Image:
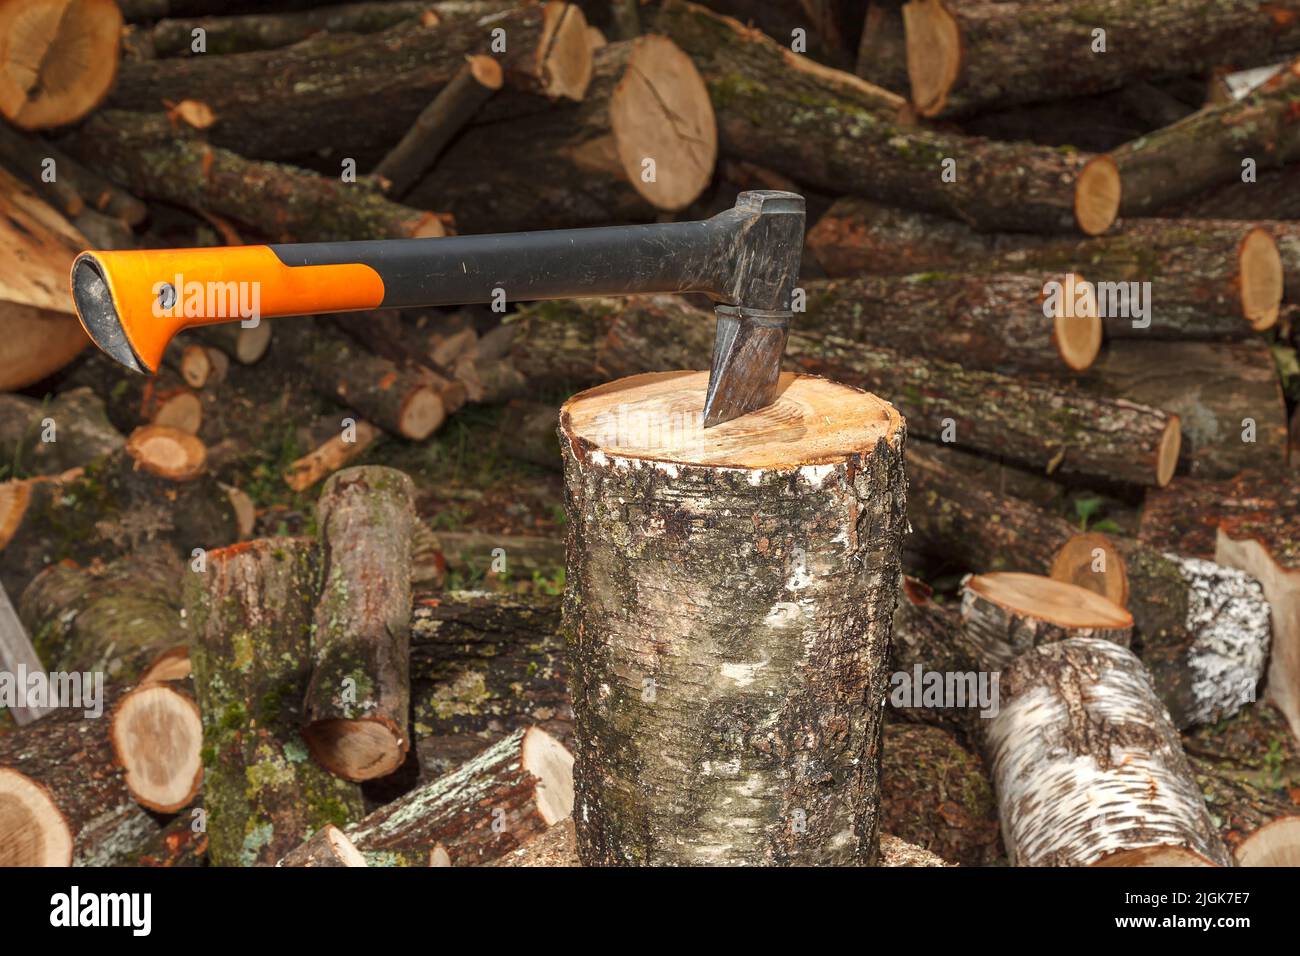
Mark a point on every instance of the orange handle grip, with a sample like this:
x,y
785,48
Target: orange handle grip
x,y
132,303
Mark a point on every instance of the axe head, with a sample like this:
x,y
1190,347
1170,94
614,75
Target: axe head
x,y
747,352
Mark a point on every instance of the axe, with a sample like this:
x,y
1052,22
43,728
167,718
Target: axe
x,y
746,259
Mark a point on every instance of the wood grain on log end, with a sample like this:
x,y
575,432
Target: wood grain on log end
x,y
1274,844
171,664
933,54
32,830
1090,560
1262,279
1025,610
563,63
1097,194
157,735
1076,324
329,847
167,452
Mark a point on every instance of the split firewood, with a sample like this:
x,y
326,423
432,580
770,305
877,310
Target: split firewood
x,y
1087,767
1246,523
245,344
444,117
1206,276
484,660
1274,844
64,796
882,49
1226,395
1261,127
853,141
329,457
250,618
276,104
496,802
936,794
116,618
1026,610
646,732
994,321
399,399
959,59
356,710
328,846
48,438
154,489
147,154
1203,628
241,33
59,59
642,141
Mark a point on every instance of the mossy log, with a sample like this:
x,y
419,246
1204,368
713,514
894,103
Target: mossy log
x,y
145,152
701,621
965,56
836,132
47,438
117,504
356,710
642,141
936,794
1209,279
513,790
250,617
482,660
63,797
1209,148
117,618
277,104
1087,767
1226,395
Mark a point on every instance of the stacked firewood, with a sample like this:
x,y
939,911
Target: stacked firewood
x,y
1063,239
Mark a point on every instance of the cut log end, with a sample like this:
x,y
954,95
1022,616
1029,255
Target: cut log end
x,y
1077,328
181,410
1171,445
664,130
486,71
32,830
327,847
167,452
171,664
157,737
1045,599
421,415
356,749
1261,280
58,60
1091,561
564,52
551,763
933,54
1274,844
1096,195
1154,856
659,417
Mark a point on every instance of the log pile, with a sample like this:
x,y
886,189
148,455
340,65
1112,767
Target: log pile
x,y
318,561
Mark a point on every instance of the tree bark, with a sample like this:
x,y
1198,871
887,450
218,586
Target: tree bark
x,y
356,712
1208,279
1275,194
1209,147
328,846
48,438
838,133
587,163
1287,236
278,104
513,790
250,617
1087,767
882,50
285,203
965,56
77,186
1226,395
710,610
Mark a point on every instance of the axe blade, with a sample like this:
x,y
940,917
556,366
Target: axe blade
x,y
746,367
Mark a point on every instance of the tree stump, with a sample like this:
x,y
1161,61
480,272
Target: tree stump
x,y
728,616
